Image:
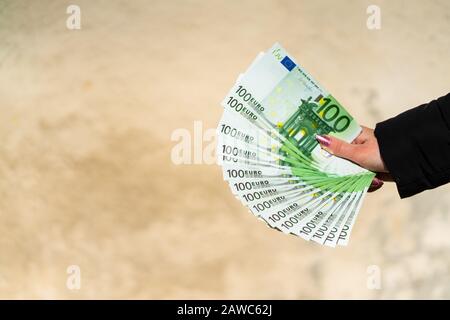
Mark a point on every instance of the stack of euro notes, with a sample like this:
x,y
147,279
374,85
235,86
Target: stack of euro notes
x,y
272,161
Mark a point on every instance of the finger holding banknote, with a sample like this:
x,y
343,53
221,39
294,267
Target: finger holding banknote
x,y
364,151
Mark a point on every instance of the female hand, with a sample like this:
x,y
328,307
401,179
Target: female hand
x,y
363,151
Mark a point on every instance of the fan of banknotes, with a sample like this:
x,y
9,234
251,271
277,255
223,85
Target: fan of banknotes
x,y
272,161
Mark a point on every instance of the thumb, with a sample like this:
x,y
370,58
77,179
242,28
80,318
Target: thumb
x,y
338,147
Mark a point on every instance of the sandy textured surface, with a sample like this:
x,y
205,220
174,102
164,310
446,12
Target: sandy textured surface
x,y
86,176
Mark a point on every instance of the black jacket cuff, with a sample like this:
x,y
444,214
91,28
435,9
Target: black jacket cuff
x,y
415,147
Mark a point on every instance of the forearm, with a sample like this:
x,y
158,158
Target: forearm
x,y
415,146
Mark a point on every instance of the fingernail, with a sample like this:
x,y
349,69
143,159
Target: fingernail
x,y
376,183
323,140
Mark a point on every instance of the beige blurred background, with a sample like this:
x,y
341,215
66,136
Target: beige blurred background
x,y
86,176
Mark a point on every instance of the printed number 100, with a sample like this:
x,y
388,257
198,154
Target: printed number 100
x,y
331,113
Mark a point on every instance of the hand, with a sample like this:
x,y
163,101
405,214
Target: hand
x,y
363,151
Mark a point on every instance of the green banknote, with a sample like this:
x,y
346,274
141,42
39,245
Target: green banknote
x,y
271,159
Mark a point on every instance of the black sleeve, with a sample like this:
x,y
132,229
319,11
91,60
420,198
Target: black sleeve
x,y
415,146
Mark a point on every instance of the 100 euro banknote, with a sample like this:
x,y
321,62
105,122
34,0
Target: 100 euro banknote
x,y
272,160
